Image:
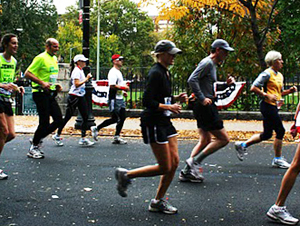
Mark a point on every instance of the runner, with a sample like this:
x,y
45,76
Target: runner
x,y
117,89
76,99
272,82
8,65
205,111
157,129
278,211
43,72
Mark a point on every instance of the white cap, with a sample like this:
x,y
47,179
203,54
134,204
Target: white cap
x,y
80,57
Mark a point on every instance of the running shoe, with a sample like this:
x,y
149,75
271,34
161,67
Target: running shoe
x,y
280,163
188,177
281,214
162,206
196,169
3,176
85,142
40,145
94,131
123,181
34,152
119,140
57,139
240,151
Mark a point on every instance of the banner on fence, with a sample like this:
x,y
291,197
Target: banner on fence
x,y
100,93
227,96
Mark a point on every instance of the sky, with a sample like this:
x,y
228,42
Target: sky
x,y
62,4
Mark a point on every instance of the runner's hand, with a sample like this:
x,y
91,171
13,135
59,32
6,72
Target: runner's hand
x,y
175,108
207,101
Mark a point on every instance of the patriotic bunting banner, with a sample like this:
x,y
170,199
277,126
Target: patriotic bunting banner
x,y
227,96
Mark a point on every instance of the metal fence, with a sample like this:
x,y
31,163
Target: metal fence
x,y
247,101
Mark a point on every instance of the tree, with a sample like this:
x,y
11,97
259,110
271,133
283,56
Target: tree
x,y
259,14
29,19
124,29
134,29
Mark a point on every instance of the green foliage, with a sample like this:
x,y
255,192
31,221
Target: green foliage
x,y
33,21
287,21
124,29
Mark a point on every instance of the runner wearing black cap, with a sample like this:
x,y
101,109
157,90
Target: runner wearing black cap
x,y
157,129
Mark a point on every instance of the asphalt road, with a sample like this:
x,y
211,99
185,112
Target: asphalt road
x,y
75,185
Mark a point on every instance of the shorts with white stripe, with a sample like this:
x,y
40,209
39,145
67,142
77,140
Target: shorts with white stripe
x,y
158,134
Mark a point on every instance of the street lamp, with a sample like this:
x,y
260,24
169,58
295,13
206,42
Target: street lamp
x,y
71,52
98,44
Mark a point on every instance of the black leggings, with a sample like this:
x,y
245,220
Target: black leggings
x,y
116,117
46,106
271,121
73,103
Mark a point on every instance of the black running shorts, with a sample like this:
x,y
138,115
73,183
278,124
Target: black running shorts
x,y
207,117
5,107
158,134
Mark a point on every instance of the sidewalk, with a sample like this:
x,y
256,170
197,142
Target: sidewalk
x,y
237,129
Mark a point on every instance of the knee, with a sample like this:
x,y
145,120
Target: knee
x,y
4,133
265,136
10,136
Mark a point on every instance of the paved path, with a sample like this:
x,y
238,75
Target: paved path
x,y
76,186
29,123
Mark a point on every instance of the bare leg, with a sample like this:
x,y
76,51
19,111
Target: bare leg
x,y
221,140
3,131
253,140
167,158
277,147
204,140
289,179
11,128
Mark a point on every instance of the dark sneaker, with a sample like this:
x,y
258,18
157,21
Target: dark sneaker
x,y
280,163
123,181
3,176
94,131
162,206
57,139
281,214
195,169
188,177
34,152
240,151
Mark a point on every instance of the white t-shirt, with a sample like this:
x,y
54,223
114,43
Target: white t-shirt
x,y
77,73
115,77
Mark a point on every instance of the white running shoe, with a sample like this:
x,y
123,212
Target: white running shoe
x,y
34,152
85,142
196,169
280,163
94,131
57,139
240,151
3,176
119,140
40,145
162,206
281,214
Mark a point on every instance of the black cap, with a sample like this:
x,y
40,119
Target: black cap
x,y
166,46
